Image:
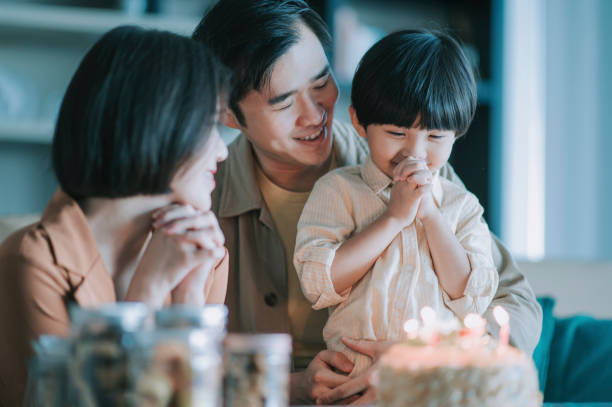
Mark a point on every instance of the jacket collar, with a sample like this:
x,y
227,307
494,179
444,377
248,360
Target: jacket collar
x,y
374,177
240,192
71,240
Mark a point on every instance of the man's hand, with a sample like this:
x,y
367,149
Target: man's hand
x,y
359,389
320,377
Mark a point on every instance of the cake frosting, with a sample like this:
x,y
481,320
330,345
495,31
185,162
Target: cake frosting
x,y
457,371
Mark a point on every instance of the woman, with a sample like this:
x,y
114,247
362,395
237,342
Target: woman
x,y
135,150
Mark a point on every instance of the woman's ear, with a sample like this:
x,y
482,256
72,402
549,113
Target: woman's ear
x,y
228,118
355,121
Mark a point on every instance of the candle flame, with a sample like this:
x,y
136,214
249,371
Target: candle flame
x,y
501,315
448,326
428,315
411,327
473,321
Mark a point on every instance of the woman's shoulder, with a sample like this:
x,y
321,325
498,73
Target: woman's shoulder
x,y
28,246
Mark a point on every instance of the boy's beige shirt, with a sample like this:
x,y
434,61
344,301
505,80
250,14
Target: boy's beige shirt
x,y
402,280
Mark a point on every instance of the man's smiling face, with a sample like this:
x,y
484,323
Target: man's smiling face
x,y
289,120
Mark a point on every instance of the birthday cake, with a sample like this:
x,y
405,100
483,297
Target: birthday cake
x,y
461,368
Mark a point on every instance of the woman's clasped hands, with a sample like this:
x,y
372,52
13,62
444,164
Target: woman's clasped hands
x,y
185,246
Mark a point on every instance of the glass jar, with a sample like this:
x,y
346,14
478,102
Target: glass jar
x,y
48,375
211,317
257,370
103,342
178,367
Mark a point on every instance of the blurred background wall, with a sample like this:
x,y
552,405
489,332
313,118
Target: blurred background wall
x,y
537,154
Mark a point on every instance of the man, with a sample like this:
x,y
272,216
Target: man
x,y
283,103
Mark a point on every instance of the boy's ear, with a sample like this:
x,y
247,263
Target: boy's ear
x,y
228,118
355,121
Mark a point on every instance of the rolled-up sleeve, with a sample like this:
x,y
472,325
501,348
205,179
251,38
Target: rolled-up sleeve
x,y
326,222
474,236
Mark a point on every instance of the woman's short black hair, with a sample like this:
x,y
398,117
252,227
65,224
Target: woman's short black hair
x,y
414,74
249,36
140,104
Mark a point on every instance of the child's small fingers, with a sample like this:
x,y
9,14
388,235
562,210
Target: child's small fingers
x,y
407,168
420,177
400,172
397,172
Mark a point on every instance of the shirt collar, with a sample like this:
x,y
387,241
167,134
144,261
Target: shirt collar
x,y
72,242
378,181
374,177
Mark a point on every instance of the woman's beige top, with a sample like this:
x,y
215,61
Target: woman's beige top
x,y
43,268
403,279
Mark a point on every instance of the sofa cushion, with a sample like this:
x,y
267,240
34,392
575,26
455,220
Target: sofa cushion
x,y
580,366
541,354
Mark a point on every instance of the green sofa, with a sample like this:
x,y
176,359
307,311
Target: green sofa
x,y
574,357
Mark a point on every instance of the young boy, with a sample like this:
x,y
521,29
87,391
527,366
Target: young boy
x,y
378,242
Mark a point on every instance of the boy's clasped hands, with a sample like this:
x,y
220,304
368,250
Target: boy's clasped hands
x,y
411,193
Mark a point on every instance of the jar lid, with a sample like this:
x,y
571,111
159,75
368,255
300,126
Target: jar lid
x,y
51,345
128,316
268,343
198,340
213,316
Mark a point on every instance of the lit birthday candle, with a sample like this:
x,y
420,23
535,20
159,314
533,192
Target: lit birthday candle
x,y
475,324
429,316
429,332
412,328
503,319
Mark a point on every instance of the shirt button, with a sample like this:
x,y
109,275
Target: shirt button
x,y
271,299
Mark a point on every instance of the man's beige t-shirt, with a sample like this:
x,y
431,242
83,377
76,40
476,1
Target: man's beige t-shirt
x,y
306,324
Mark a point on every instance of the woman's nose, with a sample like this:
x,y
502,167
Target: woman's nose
x,y
221,150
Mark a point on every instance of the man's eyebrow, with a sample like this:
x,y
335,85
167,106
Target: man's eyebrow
x,y
321,74
277,99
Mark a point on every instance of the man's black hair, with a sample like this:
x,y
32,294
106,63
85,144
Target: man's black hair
x,y
414,74
249,36
140,104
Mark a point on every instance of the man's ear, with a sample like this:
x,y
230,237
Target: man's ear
x,y
355,121
229,119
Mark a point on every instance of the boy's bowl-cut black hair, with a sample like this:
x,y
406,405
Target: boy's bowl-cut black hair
x,y
140,104
414,74
249,36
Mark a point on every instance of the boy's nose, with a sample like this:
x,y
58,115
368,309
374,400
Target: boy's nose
x,y
415,151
